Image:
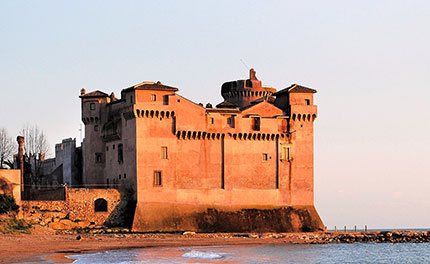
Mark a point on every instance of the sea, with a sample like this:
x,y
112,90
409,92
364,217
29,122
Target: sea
x,y
288,253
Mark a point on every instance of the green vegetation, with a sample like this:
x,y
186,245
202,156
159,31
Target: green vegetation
x,y
14,225
8,204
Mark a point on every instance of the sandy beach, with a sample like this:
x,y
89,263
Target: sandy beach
x,y
45,243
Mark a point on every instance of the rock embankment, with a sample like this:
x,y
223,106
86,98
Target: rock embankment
x,y
277,238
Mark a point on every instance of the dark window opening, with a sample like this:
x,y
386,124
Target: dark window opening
x,y
99,157
119,176
92,106
265,157
107,148
157,178
212,120
120,154
125,176
256,123
113,146
100,205
307,102
131,99
153,97
166,100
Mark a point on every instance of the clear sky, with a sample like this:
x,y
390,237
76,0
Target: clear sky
x,y
369,61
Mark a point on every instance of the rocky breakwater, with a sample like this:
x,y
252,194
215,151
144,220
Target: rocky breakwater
x,y
362,237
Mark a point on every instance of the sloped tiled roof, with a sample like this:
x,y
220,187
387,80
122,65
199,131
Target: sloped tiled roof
x,y
226,104
295,88
95,94
158,86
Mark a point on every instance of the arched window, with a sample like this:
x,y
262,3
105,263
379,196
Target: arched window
x,y
100,205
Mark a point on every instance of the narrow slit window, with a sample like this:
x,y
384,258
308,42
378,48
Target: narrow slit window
x,y
153,97
164,152
264,157
307,102
157,178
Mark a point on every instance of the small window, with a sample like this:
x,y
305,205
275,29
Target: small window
x,y
107,182
230,121
163,152
153,97
212,120
256,123
99,157
100,205
107,148
120,154
119,176
166,100
131,99
113,146
96,128
157,178
285,155
125,176
307,102
92,106
264,157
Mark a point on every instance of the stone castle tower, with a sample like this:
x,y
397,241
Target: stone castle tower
x,y
246,165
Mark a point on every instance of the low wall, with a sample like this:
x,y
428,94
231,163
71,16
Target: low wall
x,y
79,209
185,217
10,183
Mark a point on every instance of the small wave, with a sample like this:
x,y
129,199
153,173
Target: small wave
x,y
194,254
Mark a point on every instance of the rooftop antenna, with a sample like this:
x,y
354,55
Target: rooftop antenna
x,y
244,64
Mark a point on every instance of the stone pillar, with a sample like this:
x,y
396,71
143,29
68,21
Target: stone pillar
x,y
20,141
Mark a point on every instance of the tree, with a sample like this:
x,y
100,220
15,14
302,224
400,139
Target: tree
x,y
35,141
6,147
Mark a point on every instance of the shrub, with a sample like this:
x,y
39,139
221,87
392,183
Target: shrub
x,y
8,204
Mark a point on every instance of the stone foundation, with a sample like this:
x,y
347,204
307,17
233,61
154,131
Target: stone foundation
x,y
174,217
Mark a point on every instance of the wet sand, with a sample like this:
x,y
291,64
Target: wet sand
x,y
37,247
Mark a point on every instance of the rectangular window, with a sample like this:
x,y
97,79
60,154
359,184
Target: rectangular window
x,y
153,97
307,102
131,99
264,157
99,157
157,178
211,120
230,121
107,182
166,100
113,146
256,123
120,154
125,176
163,152
92,106
119,176
107,148
285,154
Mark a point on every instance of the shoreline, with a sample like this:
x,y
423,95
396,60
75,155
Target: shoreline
x,y
55,246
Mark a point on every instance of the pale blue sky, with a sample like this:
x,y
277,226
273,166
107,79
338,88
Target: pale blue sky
x,y
369,61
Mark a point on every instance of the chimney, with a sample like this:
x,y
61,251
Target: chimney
x,y
83,91
252,74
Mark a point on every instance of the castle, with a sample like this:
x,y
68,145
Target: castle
x,y
245,165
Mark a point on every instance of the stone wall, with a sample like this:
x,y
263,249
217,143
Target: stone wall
x,y
78,210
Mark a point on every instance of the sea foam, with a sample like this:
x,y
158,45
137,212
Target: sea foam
x,y
195,254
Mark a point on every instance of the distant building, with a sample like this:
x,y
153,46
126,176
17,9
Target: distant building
x,y
245,165
64,168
